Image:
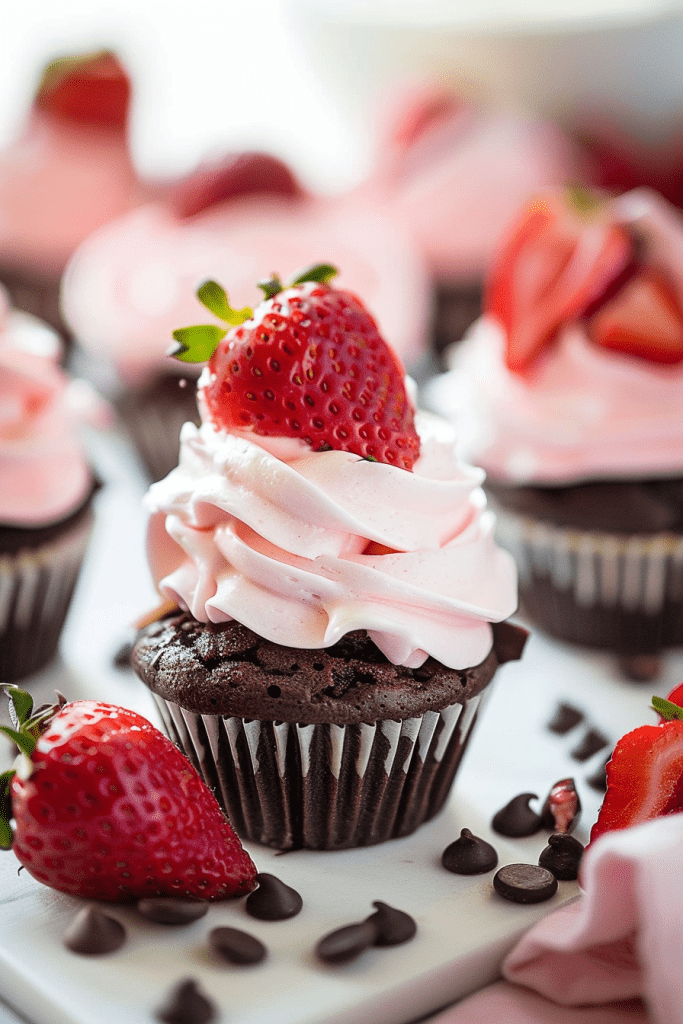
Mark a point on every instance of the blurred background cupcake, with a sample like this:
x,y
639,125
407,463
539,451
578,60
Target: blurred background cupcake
x,y
67,171
569,391
46,494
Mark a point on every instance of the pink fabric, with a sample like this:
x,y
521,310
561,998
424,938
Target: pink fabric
x,y
591,962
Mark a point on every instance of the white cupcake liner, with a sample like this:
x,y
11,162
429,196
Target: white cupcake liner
x,y
326,786
629,580
36,586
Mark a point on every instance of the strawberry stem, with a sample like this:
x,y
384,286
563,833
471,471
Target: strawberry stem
x,y
215,298
319,272
5,810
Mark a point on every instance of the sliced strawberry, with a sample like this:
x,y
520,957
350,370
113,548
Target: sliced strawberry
x,y
644,319
559,257
644,777
92,90
236,175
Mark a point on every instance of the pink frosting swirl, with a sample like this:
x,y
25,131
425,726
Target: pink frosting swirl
x,y
303,547
581,412
43,470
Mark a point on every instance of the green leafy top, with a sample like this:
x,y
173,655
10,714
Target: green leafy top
x,y
667,709
27,726
197,344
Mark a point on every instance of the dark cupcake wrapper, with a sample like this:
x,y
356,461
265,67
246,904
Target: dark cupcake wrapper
x,y
326,787
36,586
623,593
154,415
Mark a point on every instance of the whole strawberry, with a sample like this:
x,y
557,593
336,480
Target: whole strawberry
x,y
105,807
308,363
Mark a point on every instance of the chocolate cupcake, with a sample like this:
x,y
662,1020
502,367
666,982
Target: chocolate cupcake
x,y
280,733
337,577
570,398
46,496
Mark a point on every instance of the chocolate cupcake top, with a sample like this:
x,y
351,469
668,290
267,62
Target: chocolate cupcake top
x,y
229,670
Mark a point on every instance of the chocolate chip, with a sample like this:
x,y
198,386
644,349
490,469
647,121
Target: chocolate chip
x,y
598,780
94,933
525,883
469,855
186,1004
562,857
565,718
562,808
273,900
391,925
236,946
121,659
348,942
516,818
640,668
167,910
589,745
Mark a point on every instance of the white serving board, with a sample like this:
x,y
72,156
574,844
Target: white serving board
x,y
464,928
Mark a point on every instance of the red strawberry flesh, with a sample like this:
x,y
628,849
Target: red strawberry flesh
x,y
644,777
644,319
311,364
114,811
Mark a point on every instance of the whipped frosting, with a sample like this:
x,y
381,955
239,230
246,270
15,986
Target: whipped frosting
x,y
133,282
303,546
43,472
580,412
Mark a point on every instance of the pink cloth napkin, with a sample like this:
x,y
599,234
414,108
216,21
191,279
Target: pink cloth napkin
x,y
614,956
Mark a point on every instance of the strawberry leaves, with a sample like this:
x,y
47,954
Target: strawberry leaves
x,y
197,344
667,709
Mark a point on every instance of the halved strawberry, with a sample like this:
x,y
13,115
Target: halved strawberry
x,y
645,772
558,258
643,319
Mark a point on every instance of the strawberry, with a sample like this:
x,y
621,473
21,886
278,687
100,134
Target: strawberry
x,y
106,807
237,175
91,90
645,772
558,258
643,319
308,363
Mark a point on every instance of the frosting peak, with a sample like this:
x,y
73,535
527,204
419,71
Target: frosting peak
x,y
305,547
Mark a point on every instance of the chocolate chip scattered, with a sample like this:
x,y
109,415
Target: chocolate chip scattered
x,y
273,900
186,1004
598,780
516,818
167,910
640,668
525,883
469,855
562,857
94,933
347,943
392,926
562,808
589,745
236,946
565,718
121,659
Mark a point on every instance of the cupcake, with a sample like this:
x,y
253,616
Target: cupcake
x,y
452,173
340,599
45,498
68,173
133,282
569,393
